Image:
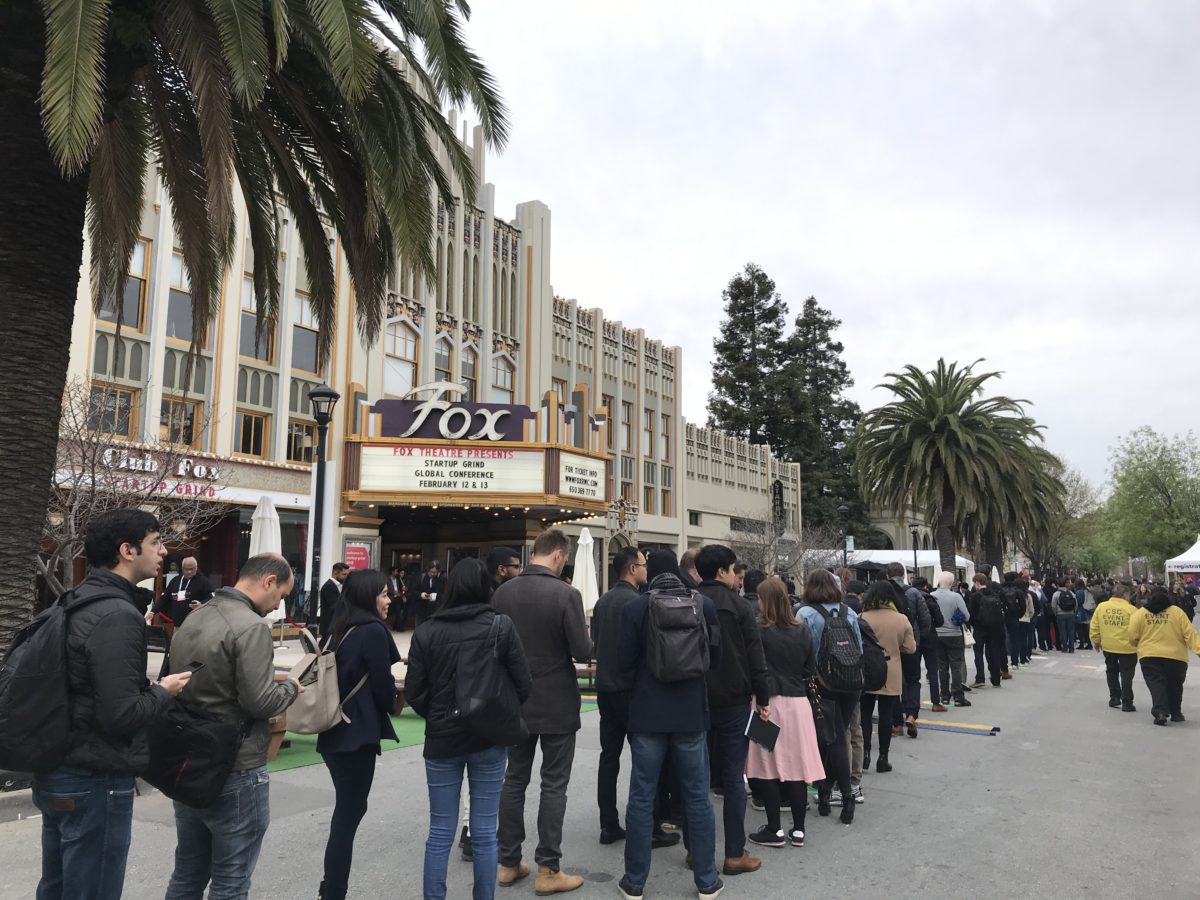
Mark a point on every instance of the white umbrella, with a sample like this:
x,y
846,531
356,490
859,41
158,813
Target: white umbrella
x,y
584,578
265,538
995,574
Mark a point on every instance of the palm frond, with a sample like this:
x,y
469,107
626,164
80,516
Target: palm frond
x,y
351,51
243,39
73,79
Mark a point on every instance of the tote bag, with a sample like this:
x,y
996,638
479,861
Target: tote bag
x,y
968,637
485,698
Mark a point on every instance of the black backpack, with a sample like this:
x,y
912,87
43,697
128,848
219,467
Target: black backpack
x,y
1065,600
676,636
35,694
839,656
485,699
1014,602
935,611
991,609
874,659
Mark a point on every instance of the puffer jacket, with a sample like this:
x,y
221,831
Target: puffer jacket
x,y
237,682
429,684
111,699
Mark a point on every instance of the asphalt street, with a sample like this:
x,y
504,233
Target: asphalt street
x,y
1070,799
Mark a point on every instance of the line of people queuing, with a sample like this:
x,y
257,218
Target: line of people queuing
x,y
687,654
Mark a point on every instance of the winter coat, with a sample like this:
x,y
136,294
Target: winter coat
x,y
366,650
606,637
548,614
111,698
655,707
743,668
232,640
429,685
895,635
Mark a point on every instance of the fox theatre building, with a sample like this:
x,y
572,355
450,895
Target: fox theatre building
x,y
435,479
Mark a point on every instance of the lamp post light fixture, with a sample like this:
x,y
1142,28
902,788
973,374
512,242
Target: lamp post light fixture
x,y
842,512
915,538
323,399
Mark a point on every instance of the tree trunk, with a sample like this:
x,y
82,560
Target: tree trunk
x,y
41,249
947,540
993,552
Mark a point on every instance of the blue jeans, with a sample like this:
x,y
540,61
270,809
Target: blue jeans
x,y
87,821
689,763
1066,632
485,775
221,843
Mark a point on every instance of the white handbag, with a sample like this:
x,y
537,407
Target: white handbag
x,y
968,637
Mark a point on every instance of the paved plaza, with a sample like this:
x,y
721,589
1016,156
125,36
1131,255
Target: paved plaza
x,y
1070,799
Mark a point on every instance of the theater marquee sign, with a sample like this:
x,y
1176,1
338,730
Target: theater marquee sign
x,y
474,470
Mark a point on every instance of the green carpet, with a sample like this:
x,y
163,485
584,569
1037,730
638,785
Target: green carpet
x,y
410,729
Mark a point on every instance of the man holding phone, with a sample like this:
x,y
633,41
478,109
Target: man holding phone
x,y
183,593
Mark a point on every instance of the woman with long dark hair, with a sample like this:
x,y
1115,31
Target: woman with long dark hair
x,y
894,632
1163,635
365,656
796,760
461,628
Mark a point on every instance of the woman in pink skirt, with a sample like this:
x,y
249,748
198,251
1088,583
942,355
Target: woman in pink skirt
x,y
796,761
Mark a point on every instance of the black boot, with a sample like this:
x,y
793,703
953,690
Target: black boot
x,y
883,765
824,793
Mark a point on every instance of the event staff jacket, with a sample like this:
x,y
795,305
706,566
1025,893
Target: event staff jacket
x,y
1110,626
743,667
1163,635
111,699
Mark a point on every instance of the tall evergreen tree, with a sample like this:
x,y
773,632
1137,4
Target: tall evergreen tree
x,y
819,421
744,401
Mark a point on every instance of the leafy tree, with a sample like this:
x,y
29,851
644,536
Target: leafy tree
x,y
1063,530
1155,501
745,399
334,104
945,450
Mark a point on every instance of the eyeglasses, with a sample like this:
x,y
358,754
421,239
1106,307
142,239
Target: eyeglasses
x,y
511,566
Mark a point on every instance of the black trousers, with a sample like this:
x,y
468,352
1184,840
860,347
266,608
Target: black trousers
x,y
1043,632
614,725
990,646
887,706
558,753
1164,678
773,790
352,775
836,756
1119,668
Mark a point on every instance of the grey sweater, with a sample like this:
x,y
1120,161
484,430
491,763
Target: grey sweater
x,y
949,601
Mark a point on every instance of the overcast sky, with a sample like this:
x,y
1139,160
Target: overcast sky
x,y
1017,181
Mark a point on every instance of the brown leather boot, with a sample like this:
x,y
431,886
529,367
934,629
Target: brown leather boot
x,y
552,882
509,875
738,865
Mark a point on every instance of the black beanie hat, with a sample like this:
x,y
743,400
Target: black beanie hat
x,y
661,561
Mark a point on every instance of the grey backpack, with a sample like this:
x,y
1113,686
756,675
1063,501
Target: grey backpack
x,y
319,707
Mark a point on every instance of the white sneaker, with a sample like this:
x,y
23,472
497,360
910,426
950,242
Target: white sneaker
x,y
835,797
796,837
857,794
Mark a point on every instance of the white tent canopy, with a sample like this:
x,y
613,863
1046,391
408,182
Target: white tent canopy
x,y
1188,561
929,562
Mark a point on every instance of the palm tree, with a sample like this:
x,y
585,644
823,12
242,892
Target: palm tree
x,y
956,457
335,106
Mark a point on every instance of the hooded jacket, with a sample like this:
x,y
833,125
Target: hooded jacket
x,y
655,707
429,685
111,699
743,667
1163,632
232,640
1110,626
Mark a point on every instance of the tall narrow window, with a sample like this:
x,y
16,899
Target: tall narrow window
x,y
610,427
248,345
467,310
441,278
648,424
251,434
504,324
400,359
443,359
470,374
626,427
475,308
560,388
502,380
304,334
179,301
665,449
512,301
133,300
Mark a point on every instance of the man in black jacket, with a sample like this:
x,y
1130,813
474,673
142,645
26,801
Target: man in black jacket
x,y
742,673
431,586
331,591
87,803
548,614
986,608
183,593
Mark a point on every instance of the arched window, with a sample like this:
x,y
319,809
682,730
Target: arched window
x,y
100,357
399,360
502,380
470,373
443,359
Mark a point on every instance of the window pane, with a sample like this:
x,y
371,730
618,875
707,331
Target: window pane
x,y
137,262
179,316
177,422
131,306
304,349
246,343
249,434
398,376
110,411
301,441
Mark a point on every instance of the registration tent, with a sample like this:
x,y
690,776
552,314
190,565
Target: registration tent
x,y
1186,565
929,562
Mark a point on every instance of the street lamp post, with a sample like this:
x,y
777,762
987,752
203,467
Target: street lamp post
x,y
842,511
914,539
323,399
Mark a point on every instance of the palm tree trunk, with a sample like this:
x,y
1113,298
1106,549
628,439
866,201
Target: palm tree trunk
x,y
41,249
993,552
947,540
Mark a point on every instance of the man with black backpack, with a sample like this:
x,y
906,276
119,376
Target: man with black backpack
x,y
741,674
986,610
1015,595
670,637
105,700
1065,603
